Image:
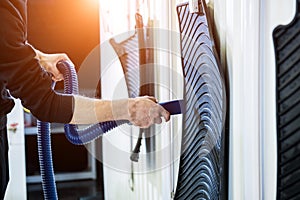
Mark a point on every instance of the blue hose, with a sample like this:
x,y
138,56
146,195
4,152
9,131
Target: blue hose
x,y
75,136
45,160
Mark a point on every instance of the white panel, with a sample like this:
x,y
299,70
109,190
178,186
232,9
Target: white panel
x,y
116,143
16,188
238,26
16,117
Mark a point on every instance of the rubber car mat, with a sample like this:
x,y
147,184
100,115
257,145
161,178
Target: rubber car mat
x,y
287,50
201,168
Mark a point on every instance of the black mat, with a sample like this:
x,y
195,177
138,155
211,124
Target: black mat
x,y
287,52
201,171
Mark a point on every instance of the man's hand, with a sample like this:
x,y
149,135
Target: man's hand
x,y
145,111
49,61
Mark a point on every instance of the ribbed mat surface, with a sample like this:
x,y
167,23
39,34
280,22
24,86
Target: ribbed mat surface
x,y
201,168
128,53
287,52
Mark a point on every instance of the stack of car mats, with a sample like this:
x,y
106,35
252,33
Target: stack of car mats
x,y
201,169
287,51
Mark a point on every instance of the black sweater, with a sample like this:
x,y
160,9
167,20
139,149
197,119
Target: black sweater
x,y
20,72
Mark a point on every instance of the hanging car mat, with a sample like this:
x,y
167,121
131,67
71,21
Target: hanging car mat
x,y
128,53
129,56
133,53
287,51
201,168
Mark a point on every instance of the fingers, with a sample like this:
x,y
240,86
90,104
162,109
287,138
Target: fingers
x,y
49,62
62,56
157,112
57,75
57,78
157,120
164,113
147,112
152,99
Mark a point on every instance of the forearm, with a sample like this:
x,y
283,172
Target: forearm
x,y
89,111
141,111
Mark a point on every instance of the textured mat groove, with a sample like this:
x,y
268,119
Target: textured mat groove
x,y
201,165
128,53
287,49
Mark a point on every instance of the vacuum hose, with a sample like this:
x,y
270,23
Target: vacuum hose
x,y
75,136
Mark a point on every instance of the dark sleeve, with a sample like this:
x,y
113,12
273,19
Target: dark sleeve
x,y
21,72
